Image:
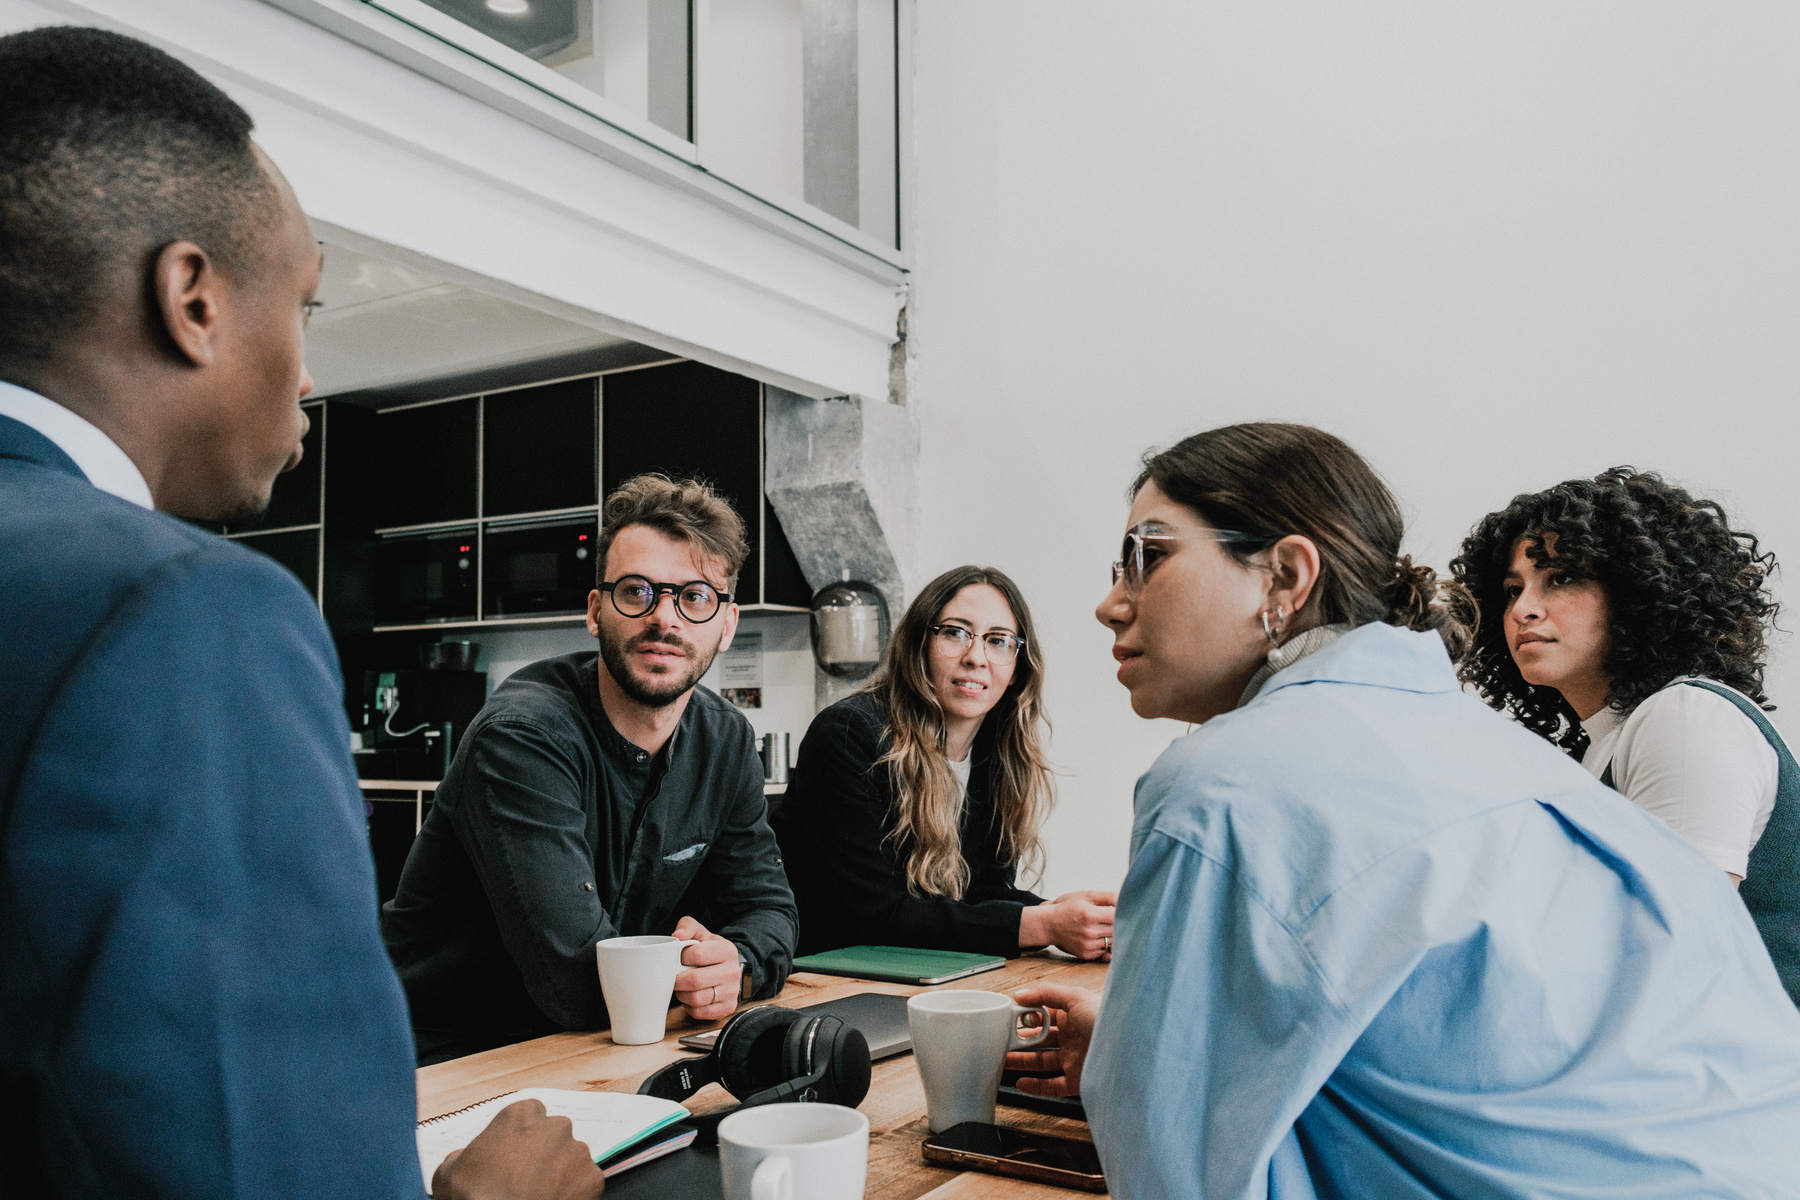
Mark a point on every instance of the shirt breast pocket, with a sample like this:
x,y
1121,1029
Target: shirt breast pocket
x,y
674,873
694,855
676,869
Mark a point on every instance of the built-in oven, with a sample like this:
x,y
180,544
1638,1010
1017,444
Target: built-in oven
x,y
539,566
426,576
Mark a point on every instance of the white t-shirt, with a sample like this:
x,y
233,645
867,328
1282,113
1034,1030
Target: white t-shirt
x,y
962,771
1691,757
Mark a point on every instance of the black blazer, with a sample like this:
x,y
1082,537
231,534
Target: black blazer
x,y
848,876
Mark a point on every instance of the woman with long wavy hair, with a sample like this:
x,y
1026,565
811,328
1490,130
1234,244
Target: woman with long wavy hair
x,y
1625,620
914,802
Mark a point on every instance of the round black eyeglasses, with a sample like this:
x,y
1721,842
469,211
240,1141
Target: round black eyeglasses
x,y
696,600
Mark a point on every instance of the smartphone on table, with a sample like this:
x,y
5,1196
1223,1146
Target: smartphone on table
x,y
1000,1150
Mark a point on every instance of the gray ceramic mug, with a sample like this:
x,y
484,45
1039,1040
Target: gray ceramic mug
x,y
960,1040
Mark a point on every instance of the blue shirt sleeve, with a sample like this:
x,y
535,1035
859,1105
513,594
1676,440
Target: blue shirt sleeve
x,y
1217,1030
207,1010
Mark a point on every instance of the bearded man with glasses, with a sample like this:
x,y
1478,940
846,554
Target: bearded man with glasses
x,y
602,795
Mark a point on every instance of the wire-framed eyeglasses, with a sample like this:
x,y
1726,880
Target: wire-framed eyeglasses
x,y
696,600
952,641
1150,543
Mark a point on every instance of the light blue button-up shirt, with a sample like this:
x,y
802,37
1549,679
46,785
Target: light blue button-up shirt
x,y
1378,941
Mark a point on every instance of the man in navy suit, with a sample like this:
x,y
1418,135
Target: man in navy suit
x,y
194,1000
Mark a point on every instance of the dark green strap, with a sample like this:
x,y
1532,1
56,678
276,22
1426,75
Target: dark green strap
x,y
1771,889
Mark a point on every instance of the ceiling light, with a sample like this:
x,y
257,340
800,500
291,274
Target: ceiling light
x,y
509,8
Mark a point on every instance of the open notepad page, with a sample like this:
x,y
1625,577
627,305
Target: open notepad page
x,y
606,1121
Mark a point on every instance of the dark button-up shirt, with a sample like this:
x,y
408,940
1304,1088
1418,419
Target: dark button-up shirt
x,y
552,832
848,871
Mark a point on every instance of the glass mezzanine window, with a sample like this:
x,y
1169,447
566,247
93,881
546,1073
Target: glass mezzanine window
x,y
788,98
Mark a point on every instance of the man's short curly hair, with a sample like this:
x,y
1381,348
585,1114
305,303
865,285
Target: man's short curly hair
x,y
1688,594
683,510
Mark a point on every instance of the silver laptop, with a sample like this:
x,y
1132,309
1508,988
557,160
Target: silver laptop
x,y
881,1017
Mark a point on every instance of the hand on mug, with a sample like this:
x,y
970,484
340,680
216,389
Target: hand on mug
x,y
523,1154
1073,1012
710,990
1080,923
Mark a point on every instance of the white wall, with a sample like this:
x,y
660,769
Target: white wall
x,y
1493,246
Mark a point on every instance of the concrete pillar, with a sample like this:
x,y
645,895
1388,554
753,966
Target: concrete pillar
x,y
843,477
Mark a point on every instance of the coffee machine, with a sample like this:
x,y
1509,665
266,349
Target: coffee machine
x,y
412,721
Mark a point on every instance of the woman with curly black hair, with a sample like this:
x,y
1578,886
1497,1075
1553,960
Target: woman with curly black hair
x,y
1624,619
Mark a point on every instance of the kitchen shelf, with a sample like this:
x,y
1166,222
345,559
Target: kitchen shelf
x,y
471,522
256,533
554,621
429,527
493,623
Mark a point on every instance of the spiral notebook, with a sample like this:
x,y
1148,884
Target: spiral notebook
x,y
607,1121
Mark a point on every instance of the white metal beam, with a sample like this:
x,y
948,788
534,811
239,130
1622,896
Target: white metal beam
x,y
391,160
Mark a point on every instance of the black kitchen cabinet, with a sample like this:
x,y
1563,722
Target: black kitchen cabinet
x,y
295,549
783,580
484,508
537,449
295,498
426,464
352,468
393,817
696,421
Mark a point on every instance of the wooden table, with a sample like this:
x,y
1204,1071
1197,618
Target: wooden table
x,y
895,1105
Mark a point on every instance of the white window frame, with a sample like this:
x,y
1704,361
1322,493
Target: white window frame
x,y
442,48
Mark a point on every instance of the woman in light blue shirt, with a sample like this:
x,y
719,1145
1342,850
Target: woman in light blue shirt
x,y
1375,939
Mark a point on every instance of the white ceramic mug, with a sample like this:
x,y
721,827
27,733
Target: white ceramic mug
x,y
637,977
960,1039
794,1152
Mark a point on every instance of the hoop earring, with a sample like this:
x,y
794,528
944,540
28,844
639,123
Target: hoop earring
x,y
1274,635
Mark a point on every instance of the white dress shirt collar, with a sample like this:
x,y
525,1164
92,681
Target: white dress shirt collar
x,y
106,466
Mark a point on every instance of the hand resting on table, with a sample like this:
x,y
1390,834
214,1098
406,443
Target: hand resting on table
x,y
1080,923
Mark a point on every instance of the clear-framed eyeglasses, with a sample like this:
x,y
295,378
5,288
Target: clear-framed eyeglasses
x,y
1150,543
953,641
696,600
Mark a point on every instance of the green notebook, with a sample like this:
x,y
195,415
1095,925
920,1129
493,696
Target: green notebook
x,y
898,964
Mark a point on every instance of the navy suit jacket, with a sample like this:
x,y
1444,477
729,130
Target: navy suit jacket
x,y
194,1000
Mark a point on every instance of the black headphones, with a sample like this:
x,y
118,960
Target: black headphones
x,y
772,1055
